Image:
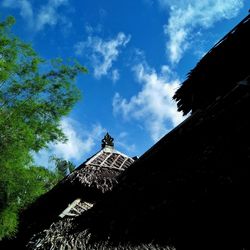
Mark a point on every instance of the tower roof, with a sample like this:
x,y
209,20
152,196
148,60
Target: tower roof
x,y
78,191
101,169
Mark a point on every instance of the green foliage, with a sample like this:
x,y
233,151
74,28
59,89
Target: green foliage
x,y
34,95
63,167
19,187
8,222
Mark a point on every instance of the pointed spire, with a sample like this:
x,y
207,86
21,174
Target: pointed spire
x,y
107,141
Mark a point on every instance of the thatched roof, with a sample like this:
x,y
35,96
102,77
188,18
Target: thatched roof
x,y
77,192
188,191
57,236
191,189
218,71
100,170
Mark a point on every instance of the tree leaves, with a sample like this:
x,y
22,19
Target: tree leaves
x,y
34,95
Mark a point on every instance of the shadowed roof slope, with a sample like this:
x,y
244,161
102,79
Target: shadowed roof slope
x,y
191,189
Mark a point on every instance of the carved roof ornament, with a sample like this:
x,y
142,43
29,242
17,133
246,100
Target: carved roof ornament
x,y
107,141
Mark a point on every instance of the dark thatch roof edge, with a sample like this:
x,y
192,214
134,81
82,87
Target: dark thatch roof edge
x,y
214,73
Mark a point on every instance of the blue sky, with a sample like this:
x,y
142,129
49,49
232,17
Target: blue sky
x,y
137,52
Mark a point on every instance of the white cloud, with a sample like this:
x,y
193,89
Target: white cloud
x,y
127,147
115,75
153,105
187,15
80,142
102,53
122,141
47,14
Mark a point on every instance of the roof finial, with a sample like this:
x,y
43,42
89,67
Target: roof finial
x,y
107,141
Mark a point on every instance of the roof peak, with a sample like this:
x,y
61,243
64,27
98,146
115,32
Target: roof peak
x,y
107,141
